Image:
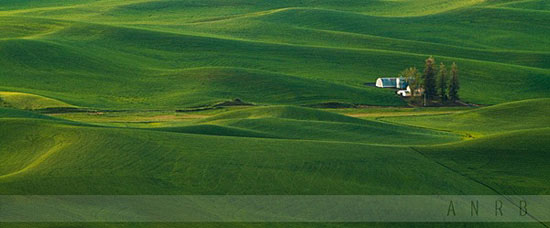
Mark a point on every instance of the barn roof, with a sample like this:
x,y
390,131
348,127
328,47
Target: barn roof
x,y
389,81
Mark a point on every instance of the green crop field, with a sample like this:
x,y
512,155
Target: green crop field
x,y
241,97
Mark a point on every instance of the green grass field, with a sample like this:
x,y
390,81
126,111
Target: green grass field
x,y
146,54
105,97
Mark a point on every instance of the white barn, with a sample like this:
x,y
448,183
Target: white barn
x,y
400,83
386,82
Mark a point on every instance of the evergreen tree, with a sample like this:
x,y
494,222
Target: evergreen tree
x,y
428,79
442,83
454,84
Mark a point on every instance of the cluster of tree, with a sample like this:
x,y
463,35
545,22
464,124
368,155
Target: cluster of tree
x,y
434,83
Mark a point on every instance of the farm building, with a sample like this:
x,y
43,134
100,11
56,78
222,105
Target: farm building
x,y
408,92
400,83
386,82
405,92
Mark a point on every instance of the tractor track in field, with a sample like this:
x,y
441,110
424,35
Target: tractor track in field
x,y
477,181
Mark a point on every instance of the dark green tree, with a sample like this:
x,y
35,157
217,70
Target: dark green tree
x,y
454,84
428,79
442,83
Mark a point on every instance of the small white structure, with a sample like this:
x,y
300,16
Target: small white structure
x,y
405,92
408,92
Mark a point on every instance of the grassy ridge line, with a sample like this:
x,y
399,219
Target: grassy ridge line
x,y
139,10
412,51
359,49
332,10
521,10
217,36
263,14
499,89
23,115
211,129
148,162
419,57
29,28
30,101
411,8
123,139
115,68
241,16
32,150
16,113
285,112
372,133
472,57
275,33
539,5
18,5
289,122
472,61
85,51
423,8
461,29
167,28
59,145
51,37
512,116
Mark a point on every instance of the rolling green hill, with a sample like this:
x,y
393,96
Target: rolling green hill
x,y
510,139
129,65
6,113
43,156
158,54
301,123
123,161
30,101
518,158
521,115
